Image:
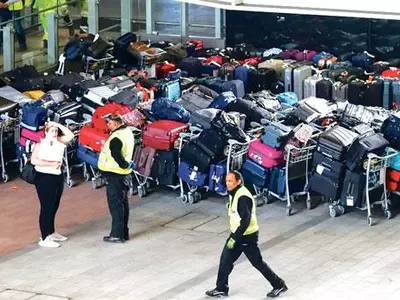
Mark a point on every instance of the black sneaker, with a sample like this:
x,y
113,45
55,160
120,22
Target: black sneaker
x,y
110,239
275,292
216,294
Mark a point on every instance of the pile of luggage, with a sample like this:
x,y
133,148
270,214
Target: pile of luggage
x,y
198,113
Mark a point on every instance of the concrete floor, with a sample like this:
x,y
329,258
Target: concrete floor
x,y
174,251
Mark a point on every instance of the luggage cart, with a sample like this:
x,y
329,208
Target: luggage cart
x,y
374,166
9,127
293,156
234,152
95,66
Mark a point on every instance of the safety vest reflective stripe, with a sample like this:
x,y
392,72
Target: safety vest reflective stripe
x,y
234,217
107,163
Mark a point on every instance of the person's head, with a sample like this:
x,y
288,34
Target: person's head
x,y
233,180
114,122
51,131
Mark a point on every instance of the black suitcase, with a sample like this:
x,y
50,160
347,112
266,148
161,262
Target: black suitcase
x,y
324,89
193,155
354,92
66,82
327,166
203,117
353,193
253,112
79,88
19,73
165,167
335,142
126,97
262,79
212,143
371,143
191,65
28,84
373,94
325,186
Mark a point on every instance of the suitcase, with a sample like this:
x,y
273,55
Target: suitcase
x,y
216,179
366,93
394,162
88,156
262,79
171,90
193,154
324,89
121,46
28,139
339,92
15,96
327,166
28,84
163,69
195,101
67,110
276,135
165,167
161,135
66,82
277,183
33,116
98,118
143,159
265,155
253,112
164,109
93,138
373,143
223,100
325,185
130,98
393,175
203,117
242,73
334,142
191,65
353,193
391,131
27,71
191,175
294,79
310,88
255,174
289,98
211,142
234,86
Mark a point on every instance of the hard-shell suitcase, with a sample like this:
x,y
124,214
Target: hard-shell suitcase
x,y
92,138
277,182
294,79
216,179
335,142
374,143
255,174
170,89
265,155
262,79
98,119
234,86
192,175
88,156
13,95
191,65
203,117
161,135
66,82
324,89
143,159
353,192
339,92
310,88
275,135
165,167
28,139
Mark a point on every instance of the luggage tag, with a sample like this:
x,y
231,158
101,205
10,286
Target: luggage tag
x,y
193,174
320,169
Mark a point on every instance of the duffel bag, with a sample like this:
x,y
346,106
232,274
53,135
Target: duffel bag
x,y
164,109
192,175
228,128
391,131
33,116
223,100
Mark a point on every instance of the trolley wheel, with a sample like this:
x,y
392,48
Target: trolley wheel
x,y
333,212
96,183
266,198
142,191
370,221
191,198
184,199
70,183
5,178
289,211
388,214
261,200
197,197
340,209
87,177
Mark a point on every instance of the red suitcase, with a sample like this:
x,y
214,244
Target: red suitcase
x,y
33,136
393,73
92,138
163,69
101,112
265,155
161,135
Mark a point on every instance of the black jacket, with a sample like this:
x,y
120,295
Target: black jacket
x,y
115,148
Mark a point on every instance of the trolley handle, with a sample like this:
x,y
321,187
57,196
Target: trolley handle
x,y
232,142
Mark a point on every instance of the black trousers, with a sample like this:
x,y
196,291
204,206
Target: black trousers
x,y
49,189
252,251
117,197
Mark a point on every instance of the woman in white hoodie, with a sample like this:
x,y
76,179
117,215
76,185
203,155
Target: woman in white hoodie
x,y
47,157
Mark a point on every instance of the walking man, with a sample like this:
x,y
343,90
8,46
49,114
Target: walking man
x,y
115,161
243,238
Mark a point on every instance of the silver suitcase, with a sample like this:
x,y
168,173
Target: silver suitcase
x,y
310,86
294,79
339,92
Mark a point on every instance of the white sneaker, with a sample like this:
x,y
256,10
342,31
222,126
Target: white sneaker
x,y
58,237
48,242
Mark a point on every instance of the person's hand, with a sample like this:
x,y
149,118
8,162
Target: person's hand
x,y
231,243
52,124
132,165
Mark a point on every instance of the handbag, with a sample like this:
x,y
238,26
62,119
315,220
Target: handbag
x,y
29,173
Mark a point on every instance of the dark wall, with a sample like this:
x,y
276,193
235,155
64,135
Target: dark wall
x,y
333,34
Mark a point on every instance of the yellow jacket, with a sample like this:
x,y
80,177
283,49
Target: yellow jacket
x,y
19,5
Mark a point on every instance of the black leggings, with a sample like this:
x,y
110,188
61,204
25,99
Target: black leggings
x,y
49,189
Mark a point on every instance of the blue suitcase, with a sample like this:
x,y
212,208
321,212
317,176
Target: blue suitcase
x,y
277,182
235,86
88,156
217,178
242,73
275,135
191,175
191,65
255,174
171,90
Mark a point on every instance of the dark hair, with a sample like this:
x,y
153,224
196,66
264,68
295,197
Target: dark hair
x,y
116,118
238,176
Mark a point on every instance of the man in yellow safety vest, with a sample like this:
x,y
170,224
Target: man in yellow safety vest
x,y
243,238
84,8
13,11
115,162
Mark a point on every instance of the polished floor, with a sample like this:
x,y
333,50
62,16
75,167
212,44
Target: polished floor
x,y
174,250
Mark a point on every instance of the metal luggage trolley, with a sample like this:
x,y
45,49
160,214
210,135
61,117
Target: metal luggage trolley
x,y
95,66
375,176
293,156
9,127
234,151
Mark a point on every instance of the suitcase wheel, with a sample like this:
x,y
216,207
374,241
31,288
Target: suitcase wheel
x,y
388,214
70,183
5,178
184,199
142,190
87,176
288,211
194,197
370,221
